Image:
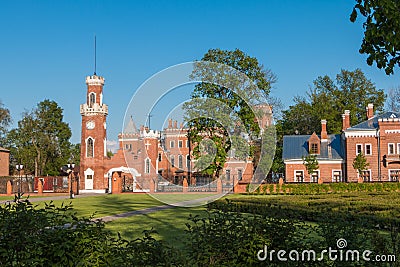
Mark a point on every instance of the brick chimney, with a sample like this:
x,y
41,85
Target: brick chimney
x,y
346,120
370,111
324,133
175,124
169,123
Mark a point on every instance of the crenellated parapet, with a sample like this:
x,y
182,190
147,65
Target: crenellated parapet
x,y
95,109
94,80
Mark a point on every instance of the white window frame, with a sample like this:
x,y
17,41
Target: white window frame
x,y
172,160
180,143
361,148
295,177
370,150
333,176
370,175
394,149
390,178
398,148
187,143
172,143
316,171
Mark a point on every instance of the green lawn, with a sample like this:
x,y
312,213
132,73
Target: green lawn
x,y
170,223
104,204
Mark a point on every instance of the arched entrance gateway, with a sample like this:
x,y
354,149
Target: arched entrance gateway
x,y
122,179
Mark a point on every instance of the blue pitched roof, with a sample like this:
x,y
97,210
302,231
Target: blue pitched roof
x,y
373,122
296,146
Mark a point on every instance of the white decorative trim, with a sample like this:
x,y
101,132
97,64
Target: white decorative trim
x,y
320,161
94,80
127,139
392,119
362,133
88,171
149,134
395,131
85,110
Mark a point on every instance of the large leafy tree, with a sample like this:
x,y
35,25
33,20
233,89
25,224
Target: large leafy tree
x,y
232,112
5,120
328,99
41,141
381,40
393,99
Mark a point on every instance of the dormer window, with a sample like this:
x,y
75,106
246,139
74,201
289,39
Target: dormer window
x,y
314,144
314,148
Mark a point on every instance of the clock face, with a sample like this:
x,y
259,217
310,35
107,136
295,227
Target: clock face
x,y
90,125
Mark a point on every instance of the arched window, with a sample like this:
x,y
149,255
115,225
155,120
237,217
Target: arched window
x,y
90,148
172,161
92,99
180,162
147,166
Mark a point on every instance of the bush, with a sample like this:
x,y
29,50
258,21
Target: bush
x,y
55,236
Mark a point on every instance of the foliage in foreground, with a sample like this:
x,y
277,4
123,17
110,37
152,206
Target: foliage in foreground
x,y
55,236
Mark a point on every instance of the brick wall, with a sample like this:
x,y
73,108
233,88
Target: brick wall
x,y
4,162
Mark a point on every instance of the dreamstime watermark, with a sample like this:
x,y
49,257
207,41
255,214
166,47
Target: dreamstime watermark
x,y
338,253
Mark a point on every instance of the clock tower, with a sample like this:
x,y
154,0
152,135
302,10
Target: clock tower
x,y
93,138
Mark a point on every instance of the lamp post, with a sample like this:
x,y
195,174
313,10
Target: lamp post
x,y
19,169
70,173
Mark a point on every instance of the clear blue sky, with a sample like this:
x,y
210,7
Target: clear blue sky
x,y
46,47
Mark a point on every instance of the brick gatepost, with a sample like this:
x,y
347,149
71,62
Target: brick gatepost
x,y
40,187
185,185
9,188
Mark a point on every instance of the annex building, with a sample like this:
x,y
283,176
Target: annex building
x,y
147,159
377,138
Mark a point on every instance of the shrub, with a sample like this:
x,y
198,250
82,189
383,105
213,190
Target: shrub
x,y
55,236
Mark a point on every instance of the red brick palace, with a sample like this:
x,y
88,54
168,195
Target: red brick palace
x,y
144,155
378,138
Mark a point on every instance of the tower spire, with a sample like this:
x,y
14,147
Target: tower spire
x,y
95,54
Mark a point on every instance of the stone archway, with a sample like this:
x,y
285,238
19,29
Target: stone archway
x,y
115,179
